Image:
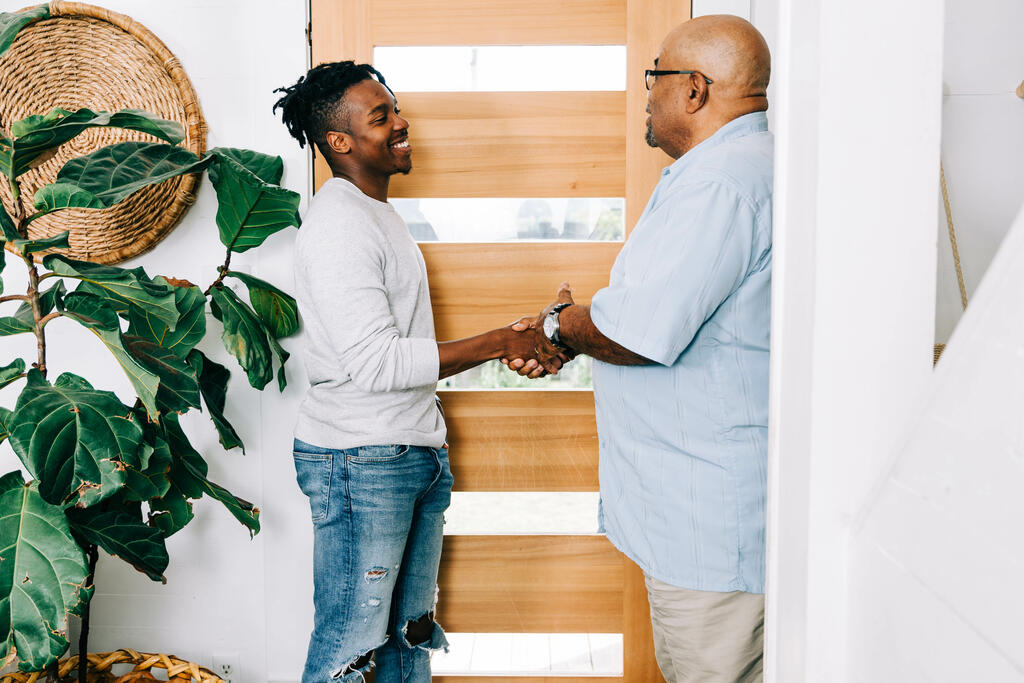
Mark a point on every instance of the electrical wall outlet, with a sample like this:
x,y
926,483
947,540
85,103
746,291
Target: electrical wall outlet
x,y
225,665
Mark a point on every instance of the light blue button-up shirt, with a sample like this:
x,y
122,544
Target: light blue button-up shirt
x,y
684,443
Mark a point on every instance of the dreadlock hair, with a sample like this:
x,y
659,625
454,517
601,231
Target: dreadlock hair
x,y
315,103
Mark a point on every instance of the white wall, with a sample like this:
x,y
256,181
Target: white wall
x,y
894,492
982,140
225,594
937,547
936,544
857,142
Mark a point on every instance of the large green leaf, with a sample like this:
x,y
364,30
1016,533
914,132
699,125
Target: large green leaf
x,y
43,573
179,386
59,122
5,423
31,246
7,168
94,313
213,383
7,229
267,168
22,321
35,135
171,512
188,476
242,510
12,22
249,210
187,463
52,298
277,310
73,439
282,357
189,330
149,479
108,175
57,196
123,535
12,372
244,335
123,288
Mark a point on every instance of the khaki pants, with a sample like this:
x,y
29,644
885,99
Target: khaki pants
x,y
706,637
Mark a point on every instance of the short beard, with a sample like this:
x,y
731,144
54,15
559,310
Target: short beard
x,y
649,137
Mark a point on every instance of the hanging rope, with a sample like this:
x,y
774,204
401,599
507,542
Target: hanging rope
x,y
952,237
939,348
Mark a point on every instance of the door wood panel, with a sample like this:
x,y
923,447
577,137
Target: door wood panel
x,y
522,440
530,584
478,287
512,144
499,22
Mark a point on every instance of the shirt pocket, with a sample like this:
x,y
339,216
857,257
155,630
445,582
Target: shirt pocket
x,y
313,473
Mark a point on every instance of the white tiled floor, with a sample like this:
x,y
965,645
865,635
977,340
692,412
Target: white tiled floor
x,y
531,653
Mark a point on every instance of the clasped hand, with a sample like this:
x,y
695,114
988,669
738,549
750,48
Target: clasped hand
x,y
532,354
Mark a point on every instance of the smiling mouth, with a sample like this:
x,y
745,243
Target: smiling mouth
x,y
404,144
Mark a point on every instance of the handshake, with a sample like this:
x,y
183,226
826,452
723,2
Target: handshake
x,y
528,351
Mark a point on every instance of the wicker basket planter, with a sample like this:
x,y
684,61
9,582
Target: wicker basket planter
x,y
122,666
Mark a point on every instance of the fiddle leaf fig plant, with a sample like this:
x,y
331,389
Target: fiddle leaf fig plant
x,y
105,473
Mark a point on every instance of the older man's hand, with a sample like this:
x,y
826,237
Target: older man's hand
x,y
549,358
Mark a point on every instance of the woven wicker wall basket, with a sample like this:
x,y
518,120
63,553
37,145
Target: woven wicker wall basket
x,y
123,666
86,56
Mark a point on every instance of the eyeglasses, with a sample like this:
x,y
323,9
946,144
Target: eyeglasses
x,y
651,74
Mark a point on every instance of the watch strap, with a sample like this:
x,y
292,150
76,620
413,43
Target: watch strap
x,y
555,337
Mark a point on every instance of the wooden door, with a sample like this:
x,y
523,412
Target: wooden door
x,y
552,144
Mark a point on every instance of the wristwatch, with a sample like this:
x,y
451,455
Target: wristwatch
x,y
551,325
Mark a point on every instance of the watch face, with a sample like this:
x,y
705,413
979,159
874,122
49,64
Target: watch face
x,y
549,325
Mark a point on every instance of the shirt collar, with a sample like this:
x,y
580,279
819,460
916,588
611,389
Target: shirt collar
x,y
755,122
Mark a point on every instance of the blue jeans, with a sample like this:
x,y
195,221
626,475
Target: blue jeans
x,y
377,530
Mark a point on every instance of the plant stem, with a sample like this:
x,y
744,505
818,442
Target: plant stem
x,y
37,314
222,270
13,297
32,295
19,210
83,637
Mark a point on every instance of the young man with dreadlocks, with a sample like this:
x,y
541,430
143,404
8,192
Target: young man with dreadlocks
x,y
370,449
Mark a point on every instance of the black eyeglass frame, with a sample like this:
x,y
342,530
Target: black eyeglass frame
x,y
667,72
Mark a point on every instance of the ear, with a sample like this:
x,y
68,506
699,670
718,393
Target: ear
x,y
338,142
696,95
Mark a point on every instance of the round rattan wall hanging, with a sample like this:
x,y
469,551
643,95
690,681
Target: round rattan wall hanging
x,y
86,56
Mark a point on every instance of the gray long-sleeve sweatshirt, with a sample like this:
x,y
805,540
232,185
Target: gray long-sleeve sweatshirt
x,y
372,361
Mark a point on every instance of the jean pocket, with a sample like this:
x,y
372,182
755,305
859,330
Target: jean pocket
x,y
313,473
370,454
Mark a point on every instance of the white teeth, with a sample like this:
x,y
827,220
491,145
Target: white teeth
x,y
401,145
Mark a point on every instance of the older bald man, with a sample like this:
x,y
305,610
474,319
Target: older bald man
x,y
680,342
